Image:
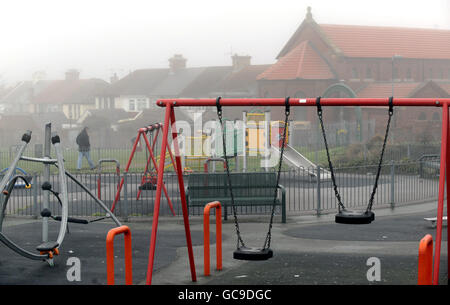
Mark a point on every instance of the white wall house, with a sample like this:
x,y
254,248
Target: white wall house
x,y
132,102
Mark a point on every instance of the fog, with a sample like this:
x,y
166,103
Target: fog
x,y
103,37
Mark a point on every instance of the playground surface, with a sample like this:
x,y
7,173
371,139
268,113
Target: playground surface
x,y
307,251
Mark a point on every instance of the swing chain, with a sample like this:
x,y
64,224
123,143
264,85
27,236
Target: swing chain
x,y
372,196
236,223
375,186
269,233
330,165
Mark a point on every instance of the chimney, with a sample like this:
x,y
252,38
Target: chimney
x,y
308,17
72,74
114,78
176,63
239,62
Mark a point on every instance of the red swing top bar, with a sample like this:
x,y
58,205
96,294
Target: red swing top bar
x,y
418,102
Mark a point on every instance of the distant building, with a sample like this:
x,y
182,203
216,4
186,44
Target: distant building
x,y
142,88
18,98
71,96
358,61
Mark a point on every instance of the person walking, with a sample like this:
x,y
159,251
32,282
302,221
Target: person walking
x,y
84,148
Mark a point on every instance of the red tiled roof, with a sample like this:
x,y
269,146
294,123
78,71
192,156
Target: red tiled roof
x,y
384,42
379,90
301,62
445,86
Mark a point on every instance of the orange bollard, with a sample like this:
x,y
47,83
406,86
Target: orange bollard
x,y
206,258
110,254
425,274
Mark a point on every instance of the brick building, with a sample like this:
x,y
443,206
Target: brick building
x,y
360,61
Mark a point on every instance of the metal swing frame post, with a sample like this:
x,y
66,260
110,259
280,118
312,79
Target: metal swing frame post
x,y
46,176
169,119
443,172
311,102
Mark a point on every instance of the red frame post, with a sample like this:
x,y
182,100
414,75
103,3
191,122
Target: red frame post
x,y
448,192
425,270
206,252
110,254
169,118
442,176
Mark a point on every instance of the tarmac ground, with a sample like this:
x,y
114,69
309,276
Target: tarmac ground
x,y
308,250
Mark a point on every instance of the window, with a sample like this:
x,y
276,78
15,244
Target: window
x,y
131,105
355,73
395,73
77,111
53,108
368,73
441,74
141,104
436,116
422,116
110,103
408,73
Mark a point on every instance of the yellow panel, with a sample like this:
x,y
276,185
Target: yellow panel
x,y
255,139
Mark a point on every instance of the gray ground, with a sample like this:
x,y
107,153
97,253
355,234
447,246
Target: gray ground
x,y
307,250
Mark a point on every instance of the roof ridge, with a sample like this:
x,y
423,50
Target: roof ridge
x,y
382,27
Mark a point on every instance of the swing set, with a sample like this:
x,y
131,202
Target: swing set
x,y
344,216
149,178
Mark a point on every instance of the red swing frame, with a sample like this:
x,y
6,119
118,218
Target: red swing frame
x,y
169,120
142,132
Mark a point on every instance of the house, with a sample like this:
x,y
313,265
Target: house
x,y
142,88
71,96
131,93
18,98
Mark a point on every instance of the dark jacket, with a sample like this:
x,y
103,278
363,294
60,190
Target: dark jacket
x,y
83,141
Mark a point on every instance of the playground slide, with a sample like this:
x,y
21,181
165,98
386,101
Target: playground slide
x,y
294,158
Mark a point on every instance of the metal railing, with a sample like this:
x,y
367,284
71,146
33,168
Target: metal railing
x,y
400,183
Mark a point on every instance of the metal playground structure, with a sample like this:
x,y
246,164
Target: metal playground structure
x,y
48,249
343,216
149,134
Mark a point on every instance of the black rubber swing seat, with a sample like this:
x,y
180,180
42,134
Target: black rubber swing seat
x,y
147,186
252,254
354,217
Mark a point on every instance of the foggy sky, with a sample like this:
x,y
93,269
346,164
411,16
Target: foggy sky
x,y
100,37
